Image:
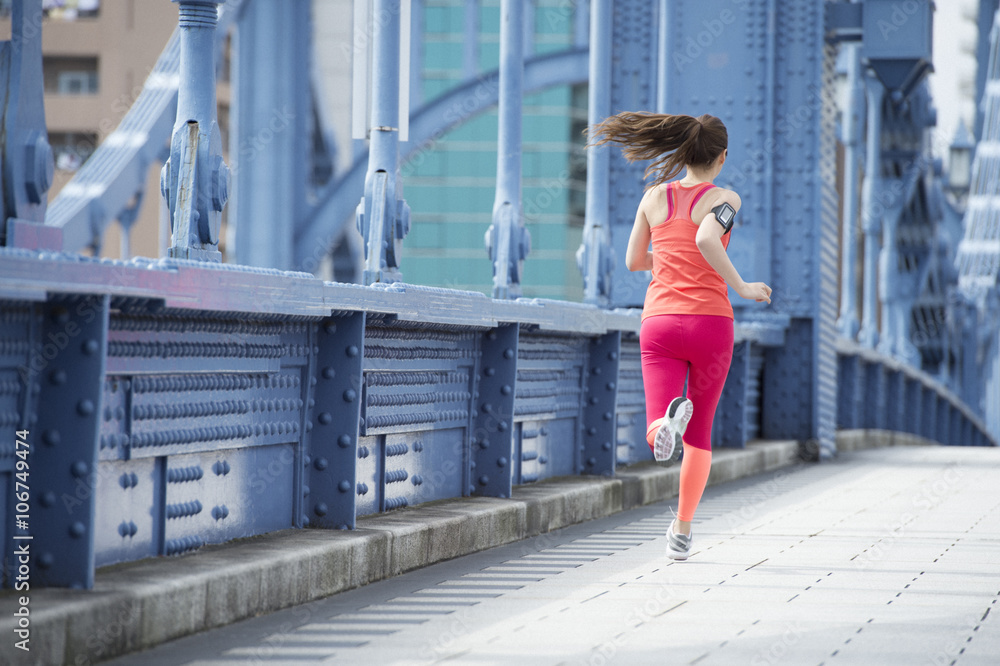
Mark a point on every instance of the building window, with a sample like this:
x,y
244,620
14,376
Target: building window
x,y
70,10
71,149
70,75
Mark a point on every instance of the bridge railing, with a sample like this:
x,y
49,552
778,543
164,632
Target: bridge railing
x,y
161,417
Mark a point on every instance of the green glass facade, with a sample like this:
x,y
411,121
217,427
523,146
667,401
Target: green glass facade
x,y
451,187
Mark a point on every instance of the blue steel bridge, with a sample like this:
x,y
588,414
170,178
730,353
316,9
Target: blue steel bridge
x,y
159,396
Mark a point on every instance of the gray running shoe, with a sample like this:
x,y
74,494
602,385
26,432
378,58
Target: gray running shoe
x,y
678,545
668,443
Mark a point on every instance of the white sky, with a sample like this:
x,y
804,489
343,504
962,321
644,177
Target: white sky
x,y
953,82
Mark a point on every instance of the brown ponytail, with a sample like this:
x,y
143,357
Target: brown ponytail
x,y
672,142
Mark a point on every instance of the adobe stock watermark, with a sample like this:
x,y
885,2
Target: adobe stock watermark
x,y
780,648
708,34
930,495
665,600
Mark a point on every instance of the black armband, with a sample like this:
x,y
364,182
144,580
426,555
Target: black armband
x,y
726,215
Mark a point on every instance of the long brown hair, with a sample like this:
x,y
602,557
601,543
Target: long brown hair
x,y
672,142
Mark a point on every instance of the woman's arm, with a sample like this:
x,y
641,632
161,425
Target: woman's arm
x,y
709,241
637,254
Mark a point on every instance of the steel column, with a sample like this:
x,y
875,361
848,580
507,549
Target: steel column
x,y
599,432
851,127
493,425
195,180
331,462
595,258
872,220
69,359
269,125
384,218
507,241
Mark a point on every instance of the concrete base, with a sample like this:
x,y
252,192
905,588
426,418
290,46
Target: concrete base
x,y
138,605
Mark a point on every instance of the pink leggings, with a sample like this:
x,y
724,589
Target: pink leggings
x,y
675,345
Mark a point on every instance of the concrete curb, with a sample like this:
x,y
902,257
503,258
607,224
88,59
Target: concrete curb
x,y
138,605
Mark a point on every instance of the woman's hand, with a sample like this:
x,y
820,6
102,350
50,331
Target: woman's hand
x,y
755,291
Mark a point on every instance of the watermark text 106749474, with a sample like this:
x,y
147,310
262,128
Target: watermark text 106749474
x,y
22,535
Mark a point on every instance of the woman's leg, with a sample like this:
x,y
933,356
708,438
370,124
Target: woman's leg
x,y
709,344
663,371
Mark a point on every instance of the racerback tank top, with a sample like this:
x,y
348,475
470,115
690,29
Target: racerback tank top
x,y
683,281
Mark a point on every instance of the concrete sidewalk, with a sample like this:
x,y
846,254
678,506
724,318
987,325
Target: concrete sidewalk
x,y
888,556
138,605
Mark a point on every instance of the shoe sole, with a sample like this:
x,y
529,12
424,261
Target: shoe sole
x,y
669,443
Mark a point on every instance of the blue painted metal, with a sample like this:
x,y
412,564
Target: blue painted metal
x,y
195,179
595,257
270,110
851,132
26,160
896,43
332,450
383,218
872,216
599,451
496,462
66,366
507,240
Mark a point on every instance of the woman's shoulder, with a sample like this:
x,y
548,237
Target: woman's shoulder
x,y
721,195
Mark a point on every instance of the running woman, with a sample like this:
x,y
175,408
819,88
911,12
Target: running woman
x,y
687,320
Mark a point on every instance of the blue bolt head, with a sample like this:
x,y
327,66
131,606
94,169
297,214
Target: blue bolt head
x,y
321,464
320,509
344,486
77,529
502,461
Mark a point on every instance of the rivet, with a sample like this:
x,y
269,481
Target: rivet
x,y
90,347
502,426
610,386
612,355
60,315
79,469
45,560
484,480
606,446
591,430
501,461
77,530
608,416
508,354
321,464
330,327
85,408
352,351
344,441
489,372
57,377
326,418
329,372
506,389
320,509
47,499
344,486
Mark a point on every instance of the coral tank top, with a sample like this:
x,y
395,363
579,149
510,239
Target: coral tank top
x,y
683,282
